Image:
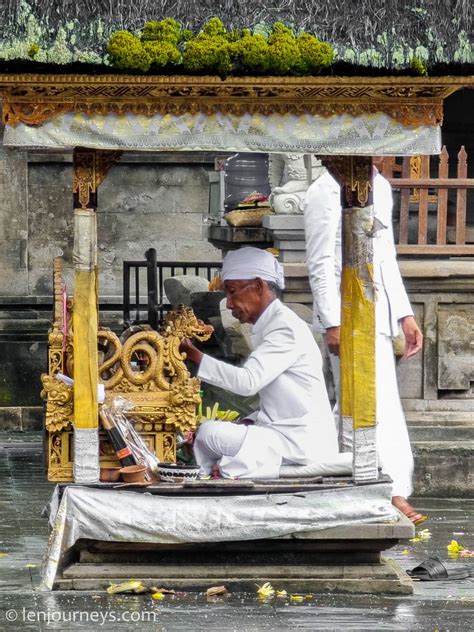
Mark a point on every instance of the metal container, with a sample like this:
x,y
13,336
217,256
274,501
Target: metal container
x,y
244,174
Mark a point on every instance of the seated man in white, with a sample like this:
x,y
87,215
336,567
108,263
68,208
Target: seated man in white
x,y
294,423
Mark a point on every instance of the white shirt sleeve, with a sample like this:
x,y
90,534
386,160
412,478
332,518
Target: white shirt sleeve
x,y
277,352
322,217
392,279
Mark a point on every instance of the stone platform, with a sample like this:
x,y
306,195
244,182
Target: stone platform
x,y
340,559
386,577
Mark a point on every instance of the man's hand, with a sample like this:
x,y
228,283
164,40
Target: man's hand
x,y
192,353
413,336
333,339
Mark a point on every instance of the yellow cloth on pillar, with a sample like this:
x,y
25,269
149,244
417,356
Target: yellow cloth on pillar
x,y
86,375
357,350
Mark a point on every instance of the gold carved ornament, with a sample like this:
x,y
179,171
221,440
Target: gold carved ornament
x,y
90,168
59,403
34,99
354,174
164,395
163,391
164,371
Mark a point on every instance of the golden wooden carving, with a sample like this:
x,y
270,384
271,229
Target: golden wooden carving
x,y
33,99
61,453
354,174
146,368
359,181
59,403
90,168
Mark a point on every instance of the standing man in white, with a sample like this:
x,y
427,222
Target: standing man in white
x,y
324,259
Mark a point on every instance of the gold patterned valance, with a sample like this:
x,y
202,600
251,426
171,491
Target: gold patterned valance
x,y
369,134
412,101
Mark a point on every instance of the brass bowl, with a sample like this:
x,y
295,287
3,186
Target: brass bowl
x,y
133,473
109,474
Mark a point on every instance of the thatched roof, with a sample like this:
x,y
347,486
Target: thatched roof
x,y
369,32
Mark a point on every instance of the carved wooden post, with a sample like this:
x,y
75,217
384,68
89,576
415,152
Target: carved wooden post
x,y
90,168
358,397
358,384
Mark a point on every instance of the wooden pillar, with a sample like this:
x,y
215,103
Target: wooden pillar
x,y
357,349
358,384
90,167
85,318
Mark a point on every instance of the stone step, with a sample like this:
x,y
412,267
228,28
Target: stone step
x,y
386,578
444,469
306,298
292,256
297,284
449,433
283,222
285,244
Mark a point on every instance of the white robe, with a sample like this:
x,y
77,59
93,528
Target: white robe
x,y
322,217
285,370
323,256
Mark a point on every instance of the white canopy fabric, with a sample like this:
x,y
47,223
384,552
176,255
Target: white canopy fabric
x,y
374,134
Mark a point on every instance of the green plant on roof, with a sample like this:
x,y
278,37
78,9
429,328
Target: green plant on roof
x,y
126,52
314,54
161,41
33,50
210,51
156,49
162,54
251,52
167,30
284,52
418,66
216,51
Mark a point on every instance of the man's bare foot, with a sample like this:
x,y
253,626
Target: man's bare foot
x,y
410,512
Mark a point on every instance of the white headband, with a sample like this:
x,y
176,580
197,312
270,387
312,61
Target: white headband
x,y
249,263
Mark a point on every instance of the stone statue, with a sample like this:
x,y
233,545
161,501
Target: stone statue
x,y
290,176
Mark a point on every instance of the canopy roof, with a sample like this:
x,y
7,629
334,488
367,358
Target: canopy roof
x,y
370,33
325,115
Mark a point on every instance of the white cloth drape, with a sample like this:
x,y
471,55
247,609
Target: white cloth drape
x,y
372,134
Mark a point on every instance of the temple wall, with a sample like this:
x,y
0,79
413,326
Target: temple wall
x,y
160,202
147,201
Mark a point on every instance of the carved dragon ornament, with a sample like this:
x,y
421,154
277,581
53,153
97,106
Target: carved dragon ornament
x,y
162,372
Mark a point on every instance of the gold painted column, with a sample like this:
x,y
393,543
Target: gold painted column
x,y
90,167
85,318
358,383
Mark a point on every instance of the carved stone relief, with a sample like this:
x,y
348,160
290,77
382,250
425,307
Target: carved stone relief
x,y
456,347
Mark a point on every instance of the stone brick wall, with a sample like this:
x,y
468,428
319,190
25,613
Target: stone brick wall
x,y
146,201
159,203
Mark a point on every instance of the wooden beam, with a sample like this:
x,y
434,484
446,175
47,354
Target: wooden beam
x,y
86,374
442,219
85,315
432,183
89,170
415,249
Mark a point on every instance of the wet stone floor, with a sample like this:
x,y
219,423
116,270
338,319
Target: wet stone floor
x,y
442,606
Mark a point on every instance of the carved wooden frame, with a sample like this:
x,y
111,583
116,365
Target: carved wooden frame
x,y
33,99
